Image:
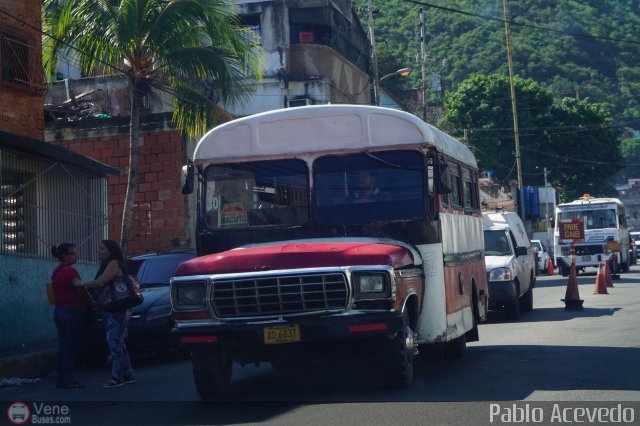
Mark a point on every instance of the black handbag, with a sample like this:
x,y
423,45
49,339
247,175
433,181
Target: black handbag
x,y
120,294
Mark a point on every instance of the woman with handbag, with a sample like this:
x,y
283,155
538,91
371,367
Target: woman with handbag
x,y
68,313
113,267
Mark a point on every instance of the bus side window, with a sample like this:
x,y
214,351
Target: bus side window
x,y
431,200
456,200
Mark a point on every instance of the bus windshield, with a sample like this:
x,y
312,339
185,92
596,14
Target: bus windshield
x,y
258,193
370,187
593,219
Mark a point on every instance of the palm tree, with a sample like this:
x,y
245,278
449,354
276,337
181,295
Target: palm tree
x,y
174,46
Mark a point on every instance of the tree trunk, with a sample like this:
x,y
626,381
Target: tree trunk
x,y
132,183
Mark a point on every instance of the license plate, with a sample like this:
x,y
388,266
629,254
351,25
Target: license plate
x,y
282,334
586,258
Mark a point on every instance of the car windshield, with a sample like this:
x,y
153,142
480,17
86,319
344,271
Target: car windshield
x,y
537,245
158,270
496,243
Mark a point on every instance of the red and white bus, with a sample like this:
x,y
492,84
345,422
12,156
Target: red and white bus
x,y
330,229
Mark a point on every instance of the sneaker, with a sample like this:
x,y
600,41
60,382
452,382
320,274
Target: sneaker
x,y
129,379
113,383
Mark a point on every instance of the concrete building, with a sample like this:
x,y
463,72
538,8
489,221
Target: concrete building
x,y
315,52
630,197
48,194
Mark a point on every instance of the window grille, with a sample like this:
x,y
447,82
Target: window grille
x,y
20,65
43,203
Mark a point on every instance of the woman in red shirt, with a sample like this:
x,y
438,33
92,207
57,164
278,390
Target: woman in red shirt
x,y
69,312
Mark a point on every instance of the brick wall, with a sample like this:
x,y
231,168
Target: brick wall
x,y
22,112
159,216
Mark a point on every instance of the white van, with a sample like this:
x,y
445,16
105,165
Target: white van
x,y
510,263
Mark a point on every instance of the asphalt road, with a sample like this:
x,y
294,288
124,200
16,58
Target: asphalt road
x,y
549,354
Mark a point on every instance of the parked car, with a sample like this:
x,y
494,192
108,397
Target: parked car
x,y
510,263
634,246
151,322
542,255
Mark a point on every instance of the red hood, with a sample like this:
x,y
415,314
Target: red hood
x,y
297,255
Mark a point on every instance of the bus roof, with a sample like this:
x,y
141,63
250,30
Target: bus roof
x,y
587,201
322,129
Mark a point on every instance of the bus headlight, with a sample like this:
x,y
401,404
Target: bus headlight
x,y
189,296
370,285
500,274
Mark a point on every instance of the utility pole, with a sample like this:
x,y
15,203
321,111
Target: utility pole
x,y
423,61
546,210
374,56
514,109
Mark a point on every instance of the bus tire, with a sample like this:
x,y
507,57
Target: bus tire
x,y
624,267
564,271
398,354
473,335
211,370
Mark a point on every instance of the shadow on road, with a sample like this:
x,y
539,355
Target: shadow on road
x,y
551,314
490,373
583,280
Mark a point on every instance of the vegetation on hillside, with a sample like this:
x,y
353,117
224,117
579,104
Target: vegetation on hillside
x,y
603,64
571,137
577,61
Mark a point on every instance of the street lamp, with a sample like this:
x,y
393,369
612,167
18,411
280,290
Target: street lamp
x,y
401,72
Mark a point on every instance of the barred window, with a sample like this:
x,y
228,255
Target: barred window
x,y
43,203
19,62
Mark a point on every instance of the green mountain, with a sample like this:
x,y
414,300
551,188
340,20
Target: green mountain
x,y
577,48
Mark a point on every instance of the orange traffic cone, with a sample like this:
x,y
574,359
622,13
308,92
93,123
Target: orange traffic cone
x,y
572,301
607,275
550,267
601,281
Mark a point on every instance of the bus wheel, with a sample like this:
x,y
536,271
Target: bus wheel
x,y
398,356
624,267
564,271
211,370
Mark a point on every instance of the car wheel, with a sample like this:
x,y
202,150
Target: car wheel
x,y
398,356
211,370
526,301
512,307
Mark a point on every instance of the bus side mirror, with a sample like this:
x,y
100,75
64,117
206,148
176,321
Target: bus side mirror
x,y
444,180
187,178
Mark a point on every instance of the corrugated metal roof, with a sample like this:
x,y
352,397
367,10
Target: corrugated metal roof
x,y
54,152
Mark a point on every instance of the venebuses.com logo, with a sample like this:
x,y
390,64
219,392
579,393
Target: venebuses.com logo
x,y
19,413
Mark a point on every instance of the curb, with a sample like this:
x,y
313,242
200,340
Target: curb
x,y
32,365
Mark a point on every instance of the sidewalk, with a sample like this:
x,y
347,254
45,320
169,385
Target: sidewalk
x,y
28,361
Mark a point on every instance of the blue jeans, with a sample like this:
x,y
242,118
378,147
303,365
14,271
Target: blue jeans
x,y
69,324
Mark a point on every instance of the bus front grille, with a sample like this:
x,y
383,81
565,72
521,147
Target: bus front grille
x,y
279,295
585,250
